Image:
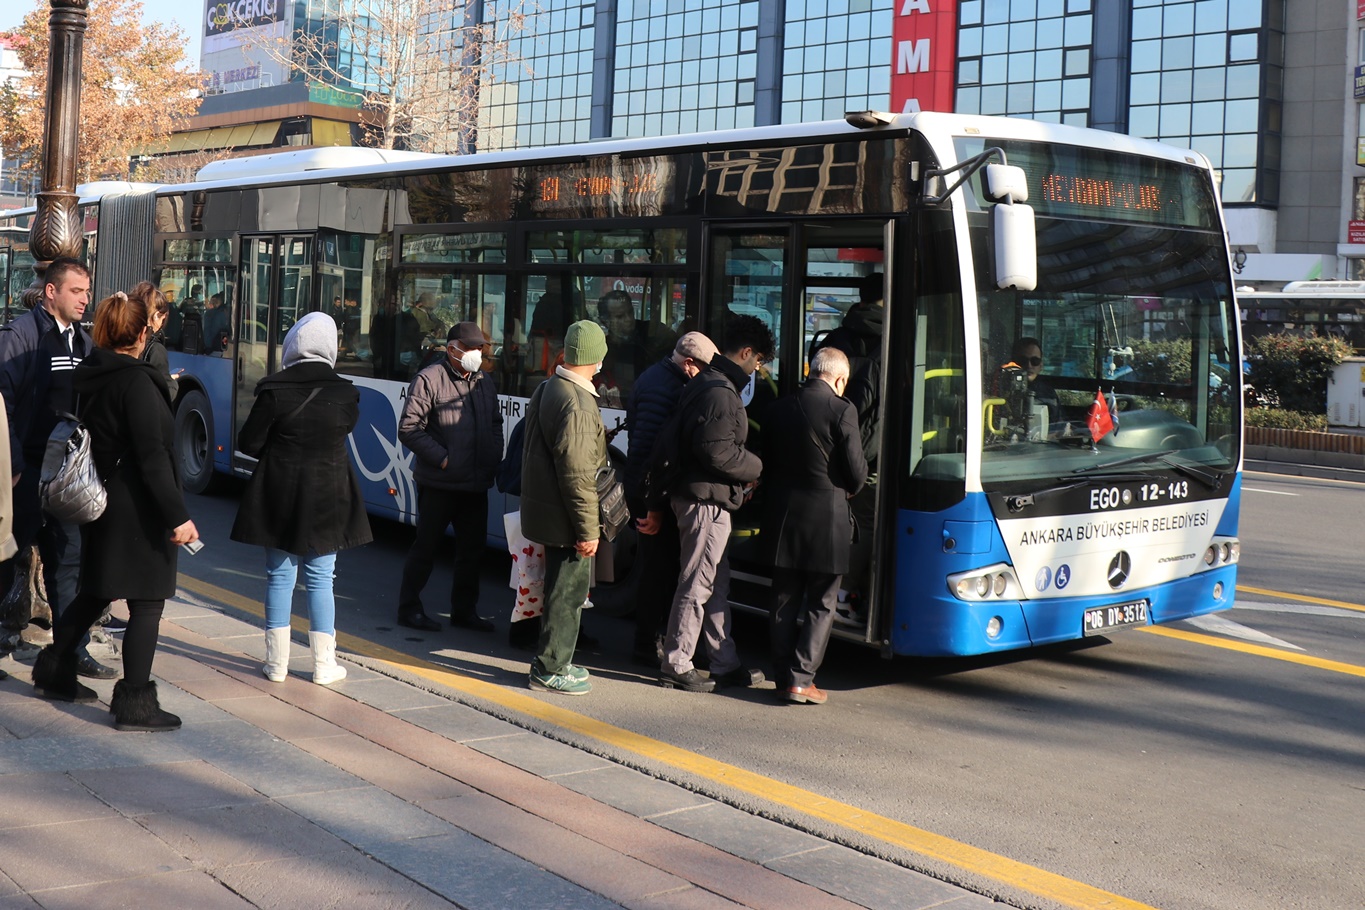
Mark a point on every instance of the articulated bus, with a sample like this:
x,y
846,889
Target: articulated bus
x,y
1003,518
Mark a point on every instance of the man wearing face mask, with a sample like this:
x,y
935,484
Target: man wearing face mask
x,y
453,425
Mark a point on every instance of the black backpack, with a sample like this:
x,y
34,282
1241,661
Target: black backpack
x,y
508,477
666,457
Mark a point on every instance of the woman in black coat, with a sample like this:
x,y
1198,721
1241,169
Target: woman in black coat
x,y
158,311
303,503
130,551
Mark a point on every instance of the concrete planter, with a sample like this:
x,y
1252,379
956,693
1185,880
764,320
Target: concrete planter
x,y
1309,447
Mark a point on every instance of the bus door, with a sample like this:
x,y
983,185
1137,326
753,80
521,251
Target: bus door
x,y
807,282
276,291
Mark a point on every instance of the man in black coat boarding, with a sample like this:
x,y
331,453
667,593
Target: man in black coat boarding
x,y
813,465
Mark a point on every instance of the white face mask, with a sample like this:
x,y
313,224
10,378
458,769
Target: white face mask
x,y
597,369
470,361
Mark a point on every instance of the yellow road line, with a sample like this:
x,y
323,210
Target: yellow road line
x,y
1031,879
1302,598
1228,644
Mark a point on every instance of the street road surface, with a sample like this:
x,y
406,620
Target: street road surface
x,y
1220,770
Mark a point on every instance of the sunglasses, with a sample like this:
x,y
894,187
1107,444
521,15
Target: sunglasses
x,y
1032,361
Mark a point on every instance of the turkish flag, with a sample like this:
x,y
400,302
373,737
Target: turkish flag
x,y
1098,418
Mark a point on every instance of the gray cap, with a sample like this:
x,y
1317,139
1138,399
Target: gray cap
x,y
696,346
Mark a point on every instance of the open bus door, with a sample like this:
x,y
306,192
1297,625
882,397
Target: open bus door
x,y
276,291
802,280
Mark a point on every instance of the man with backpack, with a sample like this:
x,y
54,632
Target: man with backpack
x,y
38,353
714,474
652,402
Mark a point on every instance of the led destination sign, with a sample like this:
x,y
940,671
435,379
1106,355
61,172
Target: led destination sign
x,y
1074,182
599,188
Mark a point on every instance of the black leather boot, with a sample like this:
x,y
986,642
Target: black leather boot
x,y
135,708
54,677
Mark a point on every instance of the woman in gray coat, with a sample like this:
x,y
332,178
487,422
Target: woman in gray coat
x,y
303,502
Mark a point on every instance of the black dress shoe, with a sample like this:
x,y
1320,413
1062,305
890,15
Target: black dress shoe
x,y
691,681
90,668
741,677
470,621
420,621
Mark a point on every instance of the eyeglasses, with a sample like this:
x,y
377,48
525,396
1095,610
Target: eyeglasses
x,y
1032,361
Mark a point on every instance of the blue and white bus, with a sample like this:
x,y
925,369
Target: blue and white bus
x,y
1001,518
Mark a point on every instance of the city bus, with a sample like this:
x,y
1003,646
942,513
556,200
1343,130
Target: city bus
x,y
1000,518
1318,307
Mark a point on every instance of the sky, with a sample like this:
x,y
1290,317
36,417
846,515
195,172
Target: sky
x,y
188,14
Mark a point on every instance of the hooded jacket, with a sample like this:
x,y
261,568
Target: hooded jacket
x,y
304,495
714,465
127,551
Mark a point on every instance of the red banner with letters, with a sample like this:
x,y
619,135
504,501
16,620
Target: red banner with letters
x,y
924,55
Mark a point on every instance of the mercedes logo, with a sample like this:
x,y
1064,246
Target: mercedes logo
x,y
1119,568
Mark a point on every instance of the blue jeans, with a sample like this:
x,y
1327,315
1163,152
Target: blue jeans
x,y
282,572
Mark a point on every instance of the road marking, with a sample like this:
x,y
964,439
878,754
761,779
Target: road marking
x,y
1299,609
1039,882
1258,650
1301,598
1271,492
1221,625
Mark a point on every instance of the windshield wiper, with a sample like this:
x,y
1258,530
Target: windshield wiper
x,y
1211,480
1017,502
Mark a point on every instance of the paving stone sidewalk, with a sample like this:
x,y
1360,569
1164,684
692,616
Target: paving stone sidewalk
x,y
372,793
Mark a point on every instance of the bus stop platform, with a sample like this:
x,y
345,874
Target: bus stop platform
x,y
372,793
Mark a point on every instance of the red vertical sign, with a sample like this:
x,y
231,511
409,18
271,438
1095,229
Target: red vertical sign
x,y
924,55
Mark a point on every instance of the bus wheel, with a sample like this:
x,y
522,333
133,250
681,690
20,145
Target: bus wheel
x,y
193,441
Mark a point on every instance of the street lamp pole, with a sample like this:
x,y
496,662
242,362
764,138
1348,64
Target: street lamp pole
x,y
56,227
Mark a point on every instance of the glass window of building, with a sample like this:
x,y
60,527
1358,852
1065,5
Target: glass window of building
x,y
684,67
837,58
1207,76
541,93
1029,59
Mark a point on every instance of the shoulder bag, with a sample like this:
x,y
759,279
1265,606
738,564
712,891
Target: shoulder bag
x,y
69,488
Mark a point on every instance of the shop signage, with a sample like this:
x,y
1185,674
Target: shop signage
x,y
924,55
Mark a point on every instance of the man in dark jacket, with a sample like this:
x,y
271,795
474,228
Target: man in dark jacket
x,y
813,465
38,353
859,336
716,473
453,424
652,402
565,446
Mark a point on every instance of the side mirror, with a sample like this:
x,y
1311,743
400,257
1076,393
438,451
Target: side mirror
x,y
1016,246
1006,183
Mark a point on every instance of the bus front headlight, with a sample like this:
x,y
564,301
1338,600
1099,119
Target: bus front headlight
x,y
997,582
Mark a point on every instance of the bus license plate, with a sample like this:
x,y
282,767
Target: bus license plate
x,y
1100,620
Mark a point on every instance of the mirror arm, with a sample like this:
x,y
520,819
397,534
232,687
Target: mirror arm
x,y
968,168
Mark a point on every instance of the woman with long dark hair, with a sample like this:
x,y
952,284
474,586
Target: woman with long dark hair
x,y
130,551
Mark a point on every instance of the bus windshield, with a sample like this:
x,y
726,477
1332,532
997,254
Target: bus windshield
x,y
1123,358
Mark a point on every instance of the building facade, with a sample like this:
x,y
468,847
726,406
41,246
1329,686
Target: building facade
x,y
1269,90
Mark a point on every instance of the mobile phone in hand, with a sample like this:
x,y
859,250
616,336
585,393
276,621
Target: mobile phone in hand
x,y
194,546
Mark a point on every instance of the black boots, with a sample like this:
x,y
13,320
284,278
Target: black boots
x,y
54,677
135,708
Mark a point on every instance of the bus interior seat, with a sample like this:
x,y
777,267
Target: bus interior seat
x,y
192,334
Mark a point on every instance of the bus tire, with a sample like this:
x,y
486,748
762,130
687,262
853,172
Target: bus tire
x,y
194,441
